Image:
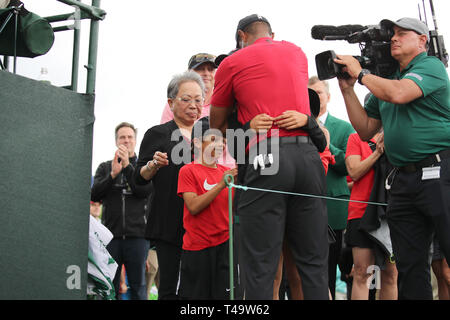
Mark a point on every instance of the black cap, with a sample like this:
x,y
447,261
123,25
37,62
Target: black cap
x,y
200,58
221,57
200,127
245,22
314,102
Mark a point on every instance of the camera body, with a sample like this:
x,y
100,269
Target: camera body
x,y
375,46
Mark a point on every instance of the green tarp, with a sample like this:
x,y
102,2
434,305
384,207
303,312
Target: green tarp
x,y
45,174
35,35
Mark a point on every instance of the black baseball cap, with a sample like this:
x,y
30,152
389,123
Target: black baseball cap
x,y
221,57
201,58
248,20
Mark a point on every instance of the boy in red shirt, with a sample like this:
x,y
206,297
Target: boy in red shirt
x,y
204,272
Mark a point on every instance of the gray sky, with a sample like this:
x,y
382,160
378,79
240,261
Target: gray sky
x,y
144,43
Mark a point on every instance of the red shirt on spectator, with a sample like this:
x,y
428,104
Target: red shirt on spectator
x,y
363,187
327,158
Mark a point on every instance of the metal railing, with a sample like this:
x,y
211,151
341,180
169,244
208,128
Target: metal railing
x,y
82,11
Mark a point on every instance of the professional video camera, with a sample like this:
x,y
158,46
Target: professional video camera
x,y
374,42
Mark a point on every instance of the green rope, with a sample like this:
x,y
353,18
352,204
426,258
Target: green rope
x,y
245,188
229,182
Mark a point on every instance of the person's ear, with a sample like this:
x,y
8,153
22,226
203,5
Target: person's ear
x,y
423,41
242,36
170,102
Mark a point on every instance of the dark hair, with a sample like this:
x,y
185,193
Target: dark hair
x,y
198,130
123,125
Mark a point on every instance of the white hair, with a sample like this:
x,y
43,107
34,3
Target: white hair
x,y
179,79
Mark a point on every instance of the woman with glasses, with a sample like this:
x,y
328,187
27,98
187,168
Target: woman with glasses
x,y
203,64
165,148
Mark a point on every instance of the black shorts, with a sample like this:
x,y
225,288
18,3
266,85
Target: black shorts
x,y
205,274
356,238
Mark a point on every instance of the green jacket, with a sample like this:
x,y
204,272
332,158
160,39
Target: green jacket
x,y
339,130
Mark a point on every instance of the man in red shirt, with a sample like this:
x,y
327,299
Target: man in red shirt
x,y
271,77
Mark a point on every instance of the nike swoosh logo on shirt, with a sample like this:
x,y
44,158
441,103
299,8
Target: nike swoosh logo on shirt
x,y
208,186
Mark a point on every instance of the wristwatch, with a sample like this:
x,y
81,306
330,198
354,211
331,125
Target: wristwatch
x,y
362,74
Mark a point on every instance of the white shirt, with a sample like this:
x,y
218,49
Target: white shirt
x,y
323,118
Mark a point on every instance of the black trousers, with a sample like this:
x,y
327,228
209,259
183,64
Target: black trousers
x,y
169,258
205,274
333,259
416,209
265,218
132,253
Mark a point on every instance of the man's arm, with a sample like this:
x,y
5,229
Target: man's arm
x,y
319,135
293,119
393,91
102,182
218,118
361,122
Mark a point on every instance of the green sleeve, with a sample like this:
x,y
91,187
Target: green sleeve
x,y
430,75
372,108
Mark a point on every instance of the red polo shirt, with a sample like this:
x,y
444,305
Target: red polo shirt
x,y
266,77
210,227
363,187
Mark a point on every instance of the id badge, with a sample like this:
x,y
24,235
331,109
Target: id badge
x,y
431,173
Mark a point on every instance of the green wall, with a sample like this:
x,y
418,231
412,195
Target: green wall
x,y
45,174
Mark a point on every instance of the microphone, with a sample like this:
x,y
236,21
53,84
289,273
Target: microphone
x,y
324,32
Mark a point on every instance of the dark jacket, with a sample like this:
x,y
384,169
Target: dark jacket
x,y
374,220
166,215
125,204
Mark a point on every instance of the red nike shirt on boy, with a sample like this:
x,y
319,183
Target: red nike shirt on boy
x,y
208,228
